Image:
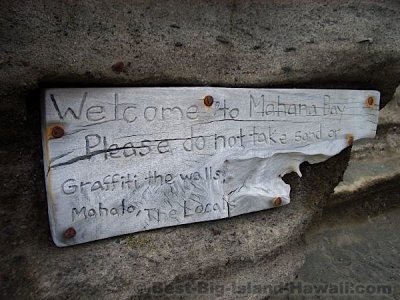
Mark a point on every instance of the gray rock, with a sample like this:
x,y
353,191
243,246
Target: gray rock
x,y
375,160
112,43
357,237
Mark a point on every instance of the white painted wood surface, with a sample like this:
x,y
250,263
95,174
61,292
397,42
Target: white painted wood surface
x,y
134,159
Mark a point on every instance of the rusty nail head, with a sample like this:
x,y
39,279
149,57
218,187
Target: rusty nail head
x,y
69,233
277,201
370,101
57,132
208,100
350,139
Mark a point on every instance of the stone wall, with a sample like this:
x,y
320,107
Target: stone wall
x,y
294,44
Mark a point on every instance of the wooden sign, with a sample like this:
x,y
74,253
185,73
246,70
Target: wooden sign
x,y
123,160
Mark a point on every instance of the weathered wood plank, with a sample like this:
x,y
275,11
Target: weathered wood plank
x,y
123,160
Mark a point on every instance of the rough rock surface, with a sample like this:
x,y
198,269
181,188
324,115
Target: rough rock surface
x,y
357,238
374,160
357,242
325,44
